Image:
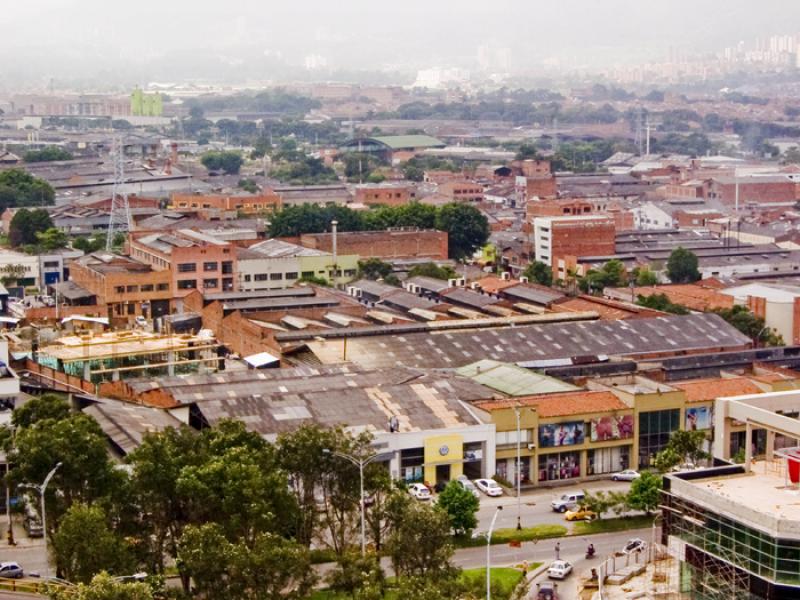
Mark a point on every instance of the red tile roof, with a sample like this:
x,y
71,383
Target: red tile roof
x,y
704,390
561,404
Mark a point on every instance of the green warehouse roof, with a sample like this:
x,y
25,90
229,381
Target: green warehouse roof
x,y
511,379
399,142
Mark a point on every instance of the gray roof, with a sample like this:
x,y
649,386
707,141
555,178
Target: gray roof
x,y
430,284
469,298
453,349
274,401
72,291
279,249
126,424
530,293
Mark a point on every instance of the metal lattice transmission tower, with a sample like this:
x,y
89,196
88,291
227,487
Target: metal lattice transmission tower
x,y
119,220
638,138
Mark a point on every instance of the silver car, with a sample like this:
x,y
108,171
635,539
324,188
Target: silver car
x,y
469,486
10,570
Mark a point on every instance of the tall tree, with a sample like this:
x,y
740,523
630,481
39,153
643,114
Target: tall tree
x,y
682,266
26,224
539,272
85,544
467,228
103,587
645,492
461,507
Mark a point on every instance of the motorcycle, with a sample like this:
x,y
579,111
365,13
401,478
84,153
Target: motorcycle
x,y
590,552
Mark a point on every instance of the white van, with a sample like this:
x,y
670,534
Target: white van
x,y
567,501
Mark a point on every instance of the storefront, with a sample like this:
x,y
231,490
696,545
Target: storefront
x,y
560,466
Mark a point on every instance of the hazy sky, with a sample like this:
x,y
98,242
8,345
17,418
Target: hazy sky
x,y
146,39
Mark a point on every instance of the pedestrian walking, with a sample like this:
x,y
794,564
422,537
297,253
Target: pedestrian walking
x,y
558,550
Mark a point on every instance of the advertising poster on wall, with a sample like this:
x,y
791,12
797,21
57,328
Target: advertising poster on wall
x,y
698,418
611,428
560,434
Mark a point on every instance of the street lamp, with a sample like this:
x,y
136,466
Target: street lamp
x,y
489,554
42,489
518,472
360,463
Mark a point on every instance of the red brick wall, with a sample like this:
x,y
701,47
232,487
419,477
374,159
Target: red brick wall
x,y
389,196
541,187
384,244
595,237
755,192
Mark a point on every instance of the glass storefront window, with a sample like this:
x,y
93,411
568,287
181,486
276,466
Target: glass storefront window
x,y
558,466
655,428
607,460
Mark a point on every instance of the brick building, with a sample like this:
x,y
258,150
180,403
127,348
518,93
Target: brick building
x,y
391,244
385,193
461,191
753,190
573,236
125,286
266,201
193,259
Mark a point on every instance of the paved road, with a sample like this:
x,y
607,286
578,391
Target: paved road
x,y
535,506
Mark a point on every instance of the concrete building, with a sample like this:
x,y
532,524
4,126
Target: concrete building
x,y
778,305
384,194
267,201
736,528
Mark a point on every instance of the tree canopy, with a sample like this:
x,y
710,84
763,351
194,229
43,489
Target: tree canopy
x,y
26,225
20,188
461,507
539,272
682,266
50,153
228,161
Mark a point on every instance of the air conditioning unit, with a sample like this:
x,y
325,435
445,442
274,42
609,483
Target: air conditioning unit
x,y
475,286
523,279
415,289
531,446
452,282
358,292
506,276
351,291
461,282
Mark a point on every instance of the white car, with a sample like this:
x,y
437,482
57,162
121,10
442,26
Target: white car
x,y
634,545
10,570
559,569
626,475
489,487
419,491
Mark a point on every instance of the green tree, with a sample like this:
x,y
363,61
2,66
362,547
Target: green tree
x,y
373,268
28,190
645,492
228,161
539,272
52,239
682,266
40,408
103,587
50,153
433,270
361,578
419,542
611,274
271,568
89,245
85,545
645,277
87,473
663,303
467,228
683,447
25,224
461,507
749,324
248,185
601,501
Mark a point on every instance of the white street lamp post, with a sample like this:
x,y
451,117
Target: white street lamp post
x,y
42,489
489,554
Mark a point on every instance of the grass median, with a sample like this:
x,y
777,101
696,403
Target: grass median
x,y
505,536
611,525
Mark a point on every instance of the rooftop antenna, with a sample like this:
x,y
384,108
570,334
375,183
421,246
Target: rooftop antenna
x,y
119,220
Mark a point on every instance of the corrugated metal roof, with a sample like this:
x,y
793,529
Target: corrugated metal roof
x,y
512,380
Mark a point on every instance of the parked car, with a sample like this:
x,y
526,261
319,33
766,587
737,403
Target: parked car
x,y
626,475
567,501
32,526
634,545
11,570
419,491
489,487
559,569
581,513
468,485
141,321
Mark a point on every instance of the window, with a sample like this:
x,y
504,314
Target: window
x,y
227,284
509,438
247,277
291,275
51,264
147,287
210,284
275,276
654,431
162,287
132,288
131,309
558,466
608,460
227,267
187,284
306,274
261,277
349,272
209,266
187,267
119,289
